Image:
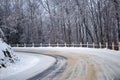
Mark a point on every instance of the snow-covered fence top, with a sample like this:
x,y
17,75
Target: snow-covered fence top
x,y
112,46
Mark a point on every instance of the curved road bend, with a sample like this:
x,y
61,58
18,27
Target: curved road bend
x,y
74,66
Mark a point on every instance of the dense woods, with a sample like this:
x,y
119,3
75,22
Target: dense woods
x,y
70,21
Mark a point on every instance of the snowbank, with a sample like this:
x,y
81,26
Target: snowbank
x,y
3,47
6,54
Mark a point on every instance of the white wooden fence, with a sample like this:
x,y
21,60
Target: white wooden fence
x,y
93,45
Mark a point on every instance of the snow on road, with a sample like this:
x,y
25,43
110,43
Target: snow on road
x,y
82,63
29,65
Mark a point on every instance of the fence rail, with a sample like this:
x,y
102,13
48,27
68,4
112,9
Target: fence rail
x,y
93,45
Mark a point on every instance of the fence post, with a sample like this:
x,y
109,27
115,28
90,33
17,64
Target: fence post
x,y
24,45
100,45
106,45
80,44
73,44
57,44
119,45
40,44
87,44
65,44
113,46
93,45
49,44
33,44
17,45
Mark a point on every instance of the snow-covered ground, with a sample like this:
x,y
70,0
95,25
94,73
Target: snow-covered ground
x,y
5,57
29,64
89,63
83,63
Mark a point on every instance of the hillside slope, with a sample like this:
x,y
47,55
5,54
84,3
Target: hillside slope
x,y
6,55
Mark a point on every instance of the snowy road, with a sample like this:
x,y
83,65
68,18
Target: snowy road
x,y
79,64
